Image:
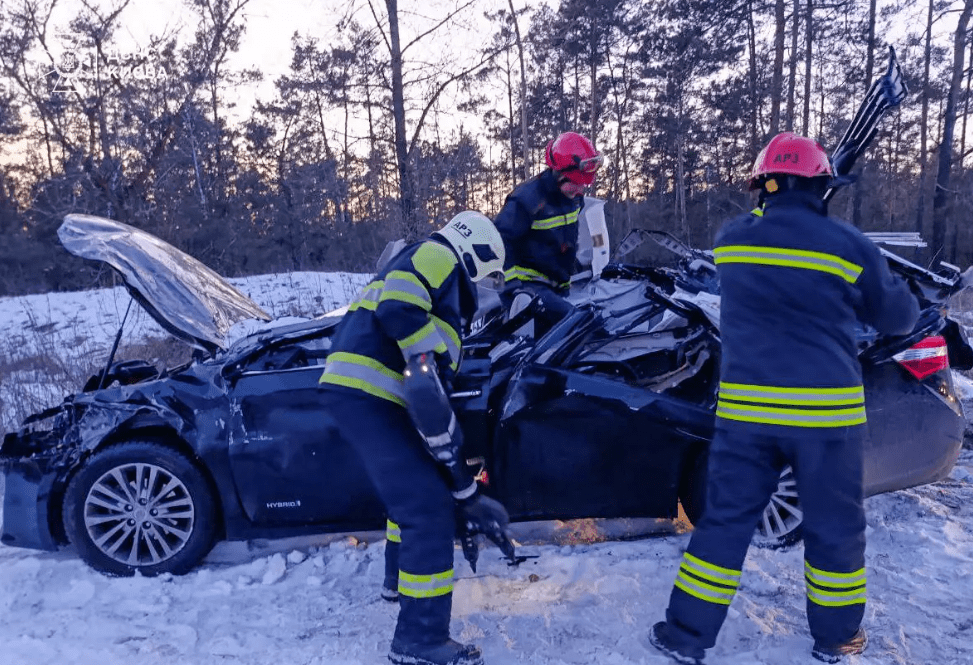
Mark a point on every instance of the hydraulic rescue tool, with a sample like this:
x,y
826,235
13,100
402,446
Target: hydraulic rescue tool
x,y
433,417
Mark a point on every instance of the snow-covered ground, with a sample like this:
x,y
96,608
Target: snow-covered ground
x,y
314,601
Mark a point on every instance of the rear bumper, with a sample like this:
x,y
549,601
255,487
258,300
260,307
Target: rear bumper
x,y
26,502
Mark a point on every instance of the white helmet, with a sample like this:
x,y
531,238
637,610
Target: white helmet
x,y
477,243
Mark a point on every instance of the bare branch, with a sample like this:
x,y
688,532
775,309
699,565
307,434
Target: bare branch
x,y
445,84
378,24
437,26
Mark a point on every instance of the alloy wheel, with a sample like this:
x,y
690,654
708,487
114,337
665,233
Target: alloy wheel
x,y
139,514
782,518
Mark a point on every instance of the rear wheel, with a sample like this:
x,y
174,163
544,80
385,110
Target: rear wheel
x,y
140,506
780,523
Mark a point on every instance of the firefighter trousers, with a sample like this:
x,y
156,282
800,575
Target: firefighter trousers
x,y
742,474
417,498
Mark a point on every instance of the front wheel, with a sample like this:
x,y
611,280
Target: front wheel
x,y
140,506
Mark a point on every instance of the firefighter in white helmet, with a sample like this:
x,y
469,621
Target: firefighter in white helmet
x,y
385,383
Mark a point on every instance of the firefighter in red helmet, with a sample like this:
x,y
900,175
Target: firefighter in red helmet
x,y
794,286
539,226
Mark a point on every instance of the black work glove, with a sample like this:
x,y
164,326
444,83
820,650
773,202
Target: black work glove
x,y
482,515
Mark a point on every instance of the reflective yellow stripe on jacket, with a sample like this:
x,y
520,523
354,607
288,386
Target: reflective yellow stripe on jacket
x,y
796,407
707,581
554,222
530,275
425,340
832,589
353,370
405,287
454,347
369,297
789,258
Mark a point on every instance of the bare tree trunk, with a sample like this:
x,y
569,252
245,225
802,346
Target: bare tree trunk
x,y
343,206
593,71
191,130
398,117
681,171
808,49
943,195
372,208
620,170
577,97
752,46
923,156
792,77
966,109
523,90
510,123
681,187
858,192
778,75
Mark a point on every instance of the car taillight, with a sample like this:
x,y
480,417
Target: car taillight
x,y
925,358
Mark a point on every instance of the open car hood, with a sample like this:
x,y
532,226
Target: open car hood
x,y
183,296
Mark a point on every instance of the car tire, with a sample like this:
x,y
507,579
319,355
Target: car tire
x,y
780,522
692,486
140,506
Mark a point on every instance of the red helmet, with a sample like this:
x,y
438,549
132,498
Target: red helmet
x,y
573,156
790,154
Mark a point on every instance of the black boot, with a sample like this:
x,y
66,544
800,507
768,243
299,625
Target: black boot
x,y
661,638
422,634
835,654
446,653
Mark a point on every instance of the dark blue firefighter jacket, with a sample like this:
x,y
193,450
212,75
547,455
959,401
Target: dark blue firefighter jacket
x,y
420,303
539,226
794,284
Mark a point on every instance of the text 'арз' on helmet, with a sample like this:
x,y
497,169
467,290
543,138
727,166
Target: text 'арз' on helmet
x,y
790,154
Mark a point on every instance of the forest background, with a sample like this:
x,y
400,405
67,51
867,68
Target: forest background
x,y
408,112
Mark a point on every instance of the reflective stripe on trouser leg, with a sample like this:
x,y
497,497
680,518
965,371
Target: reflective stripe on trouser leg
x,y
413,491
393,537
829,474
742,474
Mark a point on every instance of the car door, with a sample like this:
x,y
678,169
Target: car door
x,y
290,466
571,443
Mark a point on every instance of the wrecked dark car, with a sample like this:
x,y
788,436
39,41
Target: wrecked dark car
x,y
609,414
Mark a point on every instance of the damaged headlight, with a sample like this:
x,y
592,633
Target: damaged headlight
x,y
41,433
45,421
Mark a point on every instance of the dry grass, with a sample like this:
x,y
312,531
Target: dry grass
x,y
38,372
52,347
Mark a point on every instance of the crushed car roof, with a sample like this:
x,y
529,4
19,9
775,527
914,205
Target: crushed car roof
x,y
185,297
